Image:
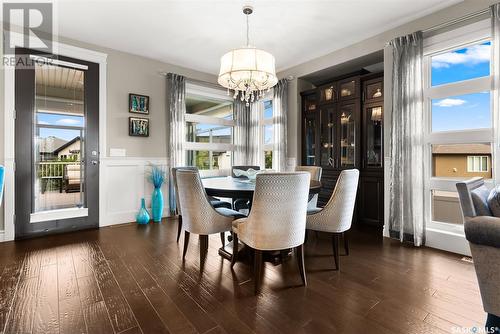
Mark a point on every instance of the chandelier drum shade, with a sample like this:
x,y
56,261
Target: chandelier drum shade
x,y
248,71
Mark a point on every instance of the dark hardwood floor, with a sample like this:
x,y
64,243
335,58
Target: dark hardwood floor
x,y
130,279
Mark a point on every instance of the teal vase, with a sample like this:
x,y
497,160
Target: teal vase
x,y
157,205
142,217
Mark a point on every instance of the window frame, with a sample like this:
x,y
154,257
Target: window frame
x,y
209,93
480,159
462,37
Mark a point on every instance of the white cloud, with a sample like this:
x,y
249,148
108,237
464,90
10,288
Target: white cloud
x,y
43,122
449,103
473,55
67,121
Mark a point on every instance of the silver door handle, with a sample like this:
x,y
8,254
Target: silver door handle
x,y
94,162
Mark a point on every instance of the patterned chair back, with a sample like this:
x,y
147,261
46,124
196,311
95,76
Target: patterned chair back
x,y
278,216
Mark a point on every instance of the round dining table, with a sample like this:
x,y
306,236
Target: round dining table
x,y
231,187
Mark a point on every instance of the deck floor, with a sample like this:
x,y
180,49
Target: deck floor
x,y
130,279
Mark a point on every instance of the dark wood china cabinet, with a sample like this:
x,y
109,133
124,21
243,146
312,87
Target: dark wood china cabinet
x,y
342,128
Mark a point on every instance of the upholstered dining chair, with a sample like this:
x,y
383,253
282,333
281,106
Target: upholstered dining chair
x,y
277,220
216,203
336,216
198,215
241,203
315,172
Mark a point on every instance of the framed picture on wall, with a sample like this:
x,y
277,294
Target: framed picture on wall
x,y
138,104
138,127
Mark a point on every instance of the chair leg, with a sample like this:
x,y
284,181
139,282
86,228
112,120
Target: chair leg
x,y
299,253
179,227
223,239
335,246
186,242
203,247
346,243
257,270
235,249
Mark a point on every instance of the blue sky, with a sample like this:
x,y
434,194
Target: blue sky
x,y
470,111
57,119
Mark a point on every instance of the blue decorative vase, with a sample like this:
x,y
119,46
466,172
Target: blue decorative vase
x,y
157,205
142,217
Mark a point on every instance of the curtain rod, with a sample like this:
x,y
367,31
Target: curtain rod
x,y
457,20
453,22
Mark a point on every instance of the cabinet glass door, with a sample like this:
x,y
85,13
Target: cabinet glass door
x,y
347,136
327,136
373,136
310,141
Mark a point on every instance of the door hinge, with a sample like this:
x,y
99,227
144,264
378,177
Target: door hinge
x,y
14,166
15,114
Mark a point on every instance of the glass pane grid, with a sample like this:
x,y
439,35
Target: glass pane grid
x,y
58,141
461,161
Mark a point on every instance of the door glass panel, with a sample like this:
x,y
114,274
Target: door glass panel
x,y
348,88
347,136
327,137
58,138
310,141
374,136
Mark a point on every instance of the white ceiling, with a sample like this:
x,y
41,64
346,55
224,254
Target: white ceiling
x,y
195,34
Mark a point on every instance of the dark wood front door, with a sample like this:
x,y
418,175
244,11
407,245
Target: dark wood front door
x,y
56,145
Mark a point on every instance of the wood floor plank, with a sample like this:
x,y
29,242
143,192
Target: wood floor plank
x,y
131,279
94,309
147,317
71,317
46,319
122,317
8,286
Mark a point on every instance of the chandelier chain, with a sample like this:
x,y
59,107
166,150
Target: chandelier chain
x,y
248,31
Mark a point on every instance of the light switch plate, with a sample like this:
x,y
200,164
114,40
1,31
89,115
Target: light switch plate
x,y
117,152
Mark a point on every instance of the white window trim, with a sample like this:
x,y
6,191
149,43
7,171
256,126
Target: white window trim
x,y
452,40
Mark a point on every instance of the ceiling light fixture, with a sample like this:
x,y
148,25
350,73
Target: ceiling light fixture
x,y
248,71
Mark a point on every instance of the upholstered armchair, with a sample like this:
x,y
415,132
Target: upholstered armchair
x,y
198,215
216,203
482,230
315,172
336,216
277,220
241,203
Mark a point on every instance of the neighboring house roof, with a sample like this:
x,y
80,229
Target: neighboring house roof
x,y
51,143
62,147
470,149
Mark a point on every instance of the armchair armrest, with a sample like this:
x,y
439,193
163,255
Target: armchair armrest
x,y
483,230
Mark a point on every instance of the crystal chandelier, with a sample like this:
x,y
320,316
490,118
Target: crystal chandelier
x,y
248,71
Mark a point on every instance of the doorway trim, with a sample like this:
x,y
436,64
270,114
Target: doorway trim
x,y
9,127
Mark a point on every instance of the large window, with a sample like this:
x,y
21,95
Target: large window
x,y
458,106
209,129
266,133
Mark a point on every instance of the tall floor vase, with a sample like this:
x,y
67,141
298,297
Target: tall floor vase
x,y
157,205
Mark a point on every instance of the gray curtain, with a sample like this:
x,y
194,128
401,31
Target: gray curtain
x,y
280,110
246,137
176,102
406,214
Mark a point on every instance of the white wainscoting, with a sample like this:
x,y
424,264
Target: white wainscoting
x,y
124,185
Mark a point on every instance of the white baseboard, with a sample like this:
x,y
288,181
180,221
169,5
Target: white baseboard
x,y
447,237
